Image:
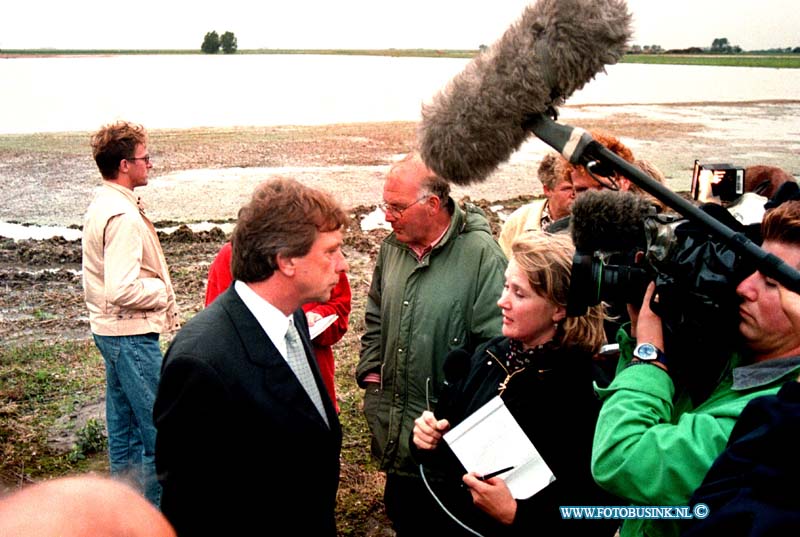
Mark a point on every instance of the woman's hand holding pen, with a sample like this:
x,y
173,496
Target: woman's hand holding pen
x,y
492,496
428,430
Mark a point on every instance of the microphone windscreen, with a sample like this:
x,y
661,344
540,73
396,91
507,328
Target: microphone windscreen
x,y
476,122
609,221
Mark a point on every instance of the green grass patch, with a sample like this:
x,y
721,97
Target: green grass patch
x,y
40,383
777,61
91,440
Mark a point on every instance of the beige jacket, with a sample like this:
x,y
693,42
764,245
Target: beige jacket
x,y
526,218
126,280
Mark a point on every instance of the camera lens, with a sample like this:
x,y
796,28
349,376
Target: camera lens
x,y
595,279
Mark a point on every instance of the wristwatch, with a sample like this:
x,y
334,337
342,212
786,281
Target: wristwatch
x,y
649,354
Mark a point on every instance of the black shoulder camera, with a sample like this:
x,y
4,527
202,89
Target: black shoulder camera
x,y
621,246
722,181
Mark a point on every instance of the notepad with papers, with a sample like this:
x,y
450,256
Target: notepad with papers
x,y
491,439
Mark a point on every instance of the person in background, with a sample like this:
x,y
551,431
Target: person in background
x,y
79,506
220,278
128,291
582,179
651,445
652,170
246,433
540,213
542,369
765,180
435,282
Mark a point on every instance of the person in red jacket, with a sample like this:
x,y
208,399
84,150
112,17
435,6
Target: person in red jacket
x,y
220,278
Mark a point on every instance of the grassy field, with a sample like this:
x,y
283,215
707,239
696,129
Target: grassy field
x,y
778,61
790,61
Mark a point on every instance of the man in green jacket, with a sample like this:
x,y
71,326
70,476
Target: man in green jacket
x,y
434,289
653,448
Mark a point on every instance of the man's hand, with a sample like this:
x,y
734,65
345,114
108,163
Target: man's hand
x,y
645,324
428,430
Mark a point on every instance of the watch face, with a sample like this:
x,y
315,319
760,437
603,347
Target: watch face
x,y
645,351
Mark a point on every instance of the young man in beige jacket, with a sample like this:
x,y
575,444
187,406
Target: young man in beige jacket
x,y
130,298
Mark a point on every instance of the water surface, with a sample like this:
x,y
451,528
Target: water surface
x,y
179,91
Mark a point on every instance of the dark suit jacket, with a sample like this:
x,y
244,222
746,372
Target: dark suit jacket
x,y
240,445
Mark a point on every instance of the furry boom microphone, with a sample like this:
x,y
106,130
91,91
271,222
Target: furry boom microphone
x,y
609,221
484,114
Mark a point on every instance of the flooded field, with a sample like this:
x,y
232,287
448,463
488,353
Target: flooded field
x,y
206,174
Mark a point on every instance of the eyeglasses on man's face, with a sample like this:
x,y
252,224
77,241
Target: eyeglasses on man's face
x,y
145,158
397,212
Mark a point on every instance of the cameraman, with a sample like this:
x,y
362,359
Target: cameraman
x,y
751,488
651,446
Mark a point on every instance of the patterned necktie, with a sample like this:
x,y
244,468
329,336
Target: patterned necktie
x,y
296,358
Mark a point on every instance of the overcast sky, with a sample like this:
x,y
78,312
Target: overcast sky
x,y
454,24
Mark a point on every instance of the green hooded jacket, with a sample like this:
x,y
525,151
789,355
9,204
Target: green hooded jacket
x,y
416,313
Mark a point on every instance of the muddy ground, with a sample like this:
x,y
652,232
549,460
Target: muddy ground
x,y
205,175
42,298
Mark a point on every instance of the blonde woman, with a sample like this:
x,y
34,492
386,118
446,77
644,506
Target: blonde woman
x,y
542,368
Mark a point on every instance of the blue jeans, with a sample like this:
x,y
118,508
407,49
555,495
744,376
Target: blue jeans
x,y
133,368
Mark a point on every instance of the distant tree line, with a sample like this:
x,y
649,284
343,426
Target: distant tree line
x,y
720,45
212,42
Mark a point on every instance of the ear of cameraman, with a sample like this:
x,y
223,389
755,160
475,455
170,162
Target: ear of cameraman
x,y
651,446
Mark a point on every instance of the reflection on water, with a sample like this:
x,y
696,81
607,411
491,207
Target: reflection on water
x,y
20,232
180,91
760,121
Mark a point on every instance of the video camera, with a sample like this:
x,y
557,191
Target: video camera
x,y
622,243
695,275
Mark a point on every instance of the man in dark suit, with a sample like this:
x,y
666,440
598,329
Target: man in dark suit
x,y
247,435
